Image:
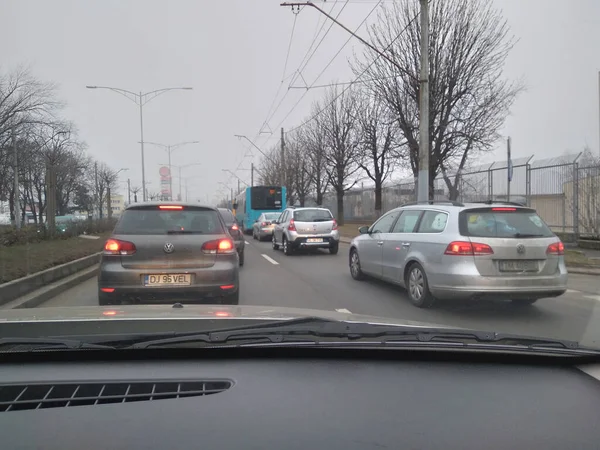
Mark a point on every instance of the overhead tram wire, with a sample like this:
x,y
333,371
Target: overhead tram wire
x,y
301,68
318,113
328,64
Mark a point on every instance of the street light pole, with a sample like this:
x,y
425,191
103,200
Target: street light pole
x,y
141,99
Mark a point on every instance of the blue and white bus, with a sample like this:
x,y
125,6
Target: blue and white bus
x,y
255,200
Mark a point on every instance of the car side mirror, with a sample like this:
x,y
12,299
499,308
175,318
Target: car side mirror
x,y
364,229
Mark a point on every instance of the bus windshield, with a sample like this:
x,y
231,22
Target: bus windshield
x,y
266,198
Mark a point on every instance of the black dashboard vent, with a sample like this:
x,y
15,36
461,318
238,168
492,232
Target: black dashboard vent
x,y
19,397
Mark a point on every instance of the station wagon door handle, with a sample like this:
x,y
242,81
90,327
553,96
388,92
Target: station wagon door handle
x,y
406,244
380,243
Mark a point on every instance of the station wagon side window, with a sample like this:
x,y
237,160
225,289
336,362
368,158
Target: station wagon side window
x,y
384,224
433,222
407,222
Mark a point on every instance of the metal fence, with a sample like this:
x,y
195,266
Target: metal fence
x,y
564,190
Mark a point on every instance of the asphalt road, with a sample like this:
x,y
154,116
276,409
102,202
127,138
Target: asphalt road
x,y
322,281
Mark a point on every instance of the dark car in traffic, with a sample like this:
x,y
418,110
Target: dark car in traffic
x,y
163,251
235,231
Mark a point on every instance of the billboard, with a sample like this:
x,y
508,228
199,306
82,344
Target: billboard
x,y
165,182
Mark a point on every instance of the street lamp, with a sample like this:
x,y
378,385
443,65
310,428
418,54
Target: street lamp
x,y
141,99
169,149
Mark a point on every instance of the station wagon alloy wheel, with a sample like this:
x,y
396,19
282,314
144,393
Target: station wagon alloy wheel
x,y
418,288
355,269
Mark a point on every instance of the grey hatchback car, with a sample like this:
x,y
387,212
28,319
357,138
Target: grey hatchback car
x,y
164,252
306,228
440,250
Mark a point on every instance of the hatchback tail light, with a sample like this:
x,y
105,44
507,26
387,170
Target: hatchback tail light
x,y
335,225
556,248
234,227
263,224
117,247
292,226
218,246
463,248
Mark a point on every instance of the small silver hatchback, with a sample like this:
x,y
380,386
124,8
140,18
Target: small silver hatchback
x,y
440,250
165,252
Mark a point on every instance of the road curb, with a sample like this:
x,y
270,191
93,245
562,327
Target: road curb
x,y
583,271
40,296
22,286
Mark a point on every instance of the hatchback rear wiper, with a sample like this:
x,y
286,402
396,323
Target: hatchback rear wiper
x,y
527,235
184,232
50,343
322,220
321,331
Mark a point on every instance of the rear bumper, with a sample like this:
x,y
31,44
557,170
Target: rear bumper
x,y
265,232
476,286
205,283
301,241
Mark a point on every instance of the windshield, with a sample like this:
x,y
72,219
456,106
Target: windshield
x,y
151,220
272,159
312,215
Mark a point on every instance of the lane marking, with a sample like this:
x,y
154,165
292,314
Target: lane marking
x,y
247,243
593,297
573,291
343,310
268,258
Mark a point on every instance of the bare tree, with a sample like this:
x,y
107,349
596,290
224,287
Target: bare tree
x,y
379,142
469,98
338,121
297,168
312,138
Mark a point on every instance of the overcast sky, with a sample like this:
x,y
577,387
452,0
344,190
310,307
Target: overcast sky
x,y
233,54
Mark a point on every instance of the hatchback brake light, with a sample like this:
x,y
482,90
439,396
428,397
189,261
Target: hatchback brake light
x,y
218,246
118,247
503,209
169,207
292,226
556,248
463,248
335,225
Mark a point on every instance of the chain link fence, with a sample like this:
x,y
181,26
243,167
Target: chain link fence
x,y
564,191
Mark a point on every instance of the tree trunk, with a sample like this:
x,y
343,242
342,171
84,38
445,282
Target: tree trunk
x,y
340,207
319,198
378,195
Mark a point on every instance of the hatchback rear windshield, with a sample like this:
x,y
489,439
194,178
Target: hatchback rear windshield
x,y
312,215
503,222
152,220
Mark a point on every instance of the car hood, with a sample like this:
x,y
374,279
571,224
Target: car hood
x,y
188,312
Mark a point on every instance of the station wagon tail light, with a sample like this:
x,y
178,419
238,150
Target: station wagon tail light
x,y
556,248
117,247
219,246
335,225
463,248
170,207
292,226
502,209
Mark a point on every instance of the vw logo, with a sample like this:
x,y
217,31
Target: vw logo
x,y
315,227
520,249
169,247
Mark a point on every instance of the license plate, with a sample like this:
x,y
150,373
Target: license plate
x,y
313,240
518,266
172,279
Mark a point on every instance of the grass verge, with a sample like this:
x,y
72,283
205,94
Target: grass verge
x,y
17,261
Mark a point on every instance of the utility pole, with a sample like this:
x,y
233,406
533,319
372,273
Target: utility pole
x,y
423,174
509,169
142,145
50,196
16,168
96,197
282,174
180,194
108,201
170,174
129,191
251,174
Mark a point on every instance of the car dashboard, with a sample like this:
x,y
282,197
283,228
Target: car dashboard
x,y
266,402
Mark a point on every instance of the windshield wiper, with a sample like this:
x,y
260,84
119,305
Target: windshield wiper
x,y
37,344
321,331
527,235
